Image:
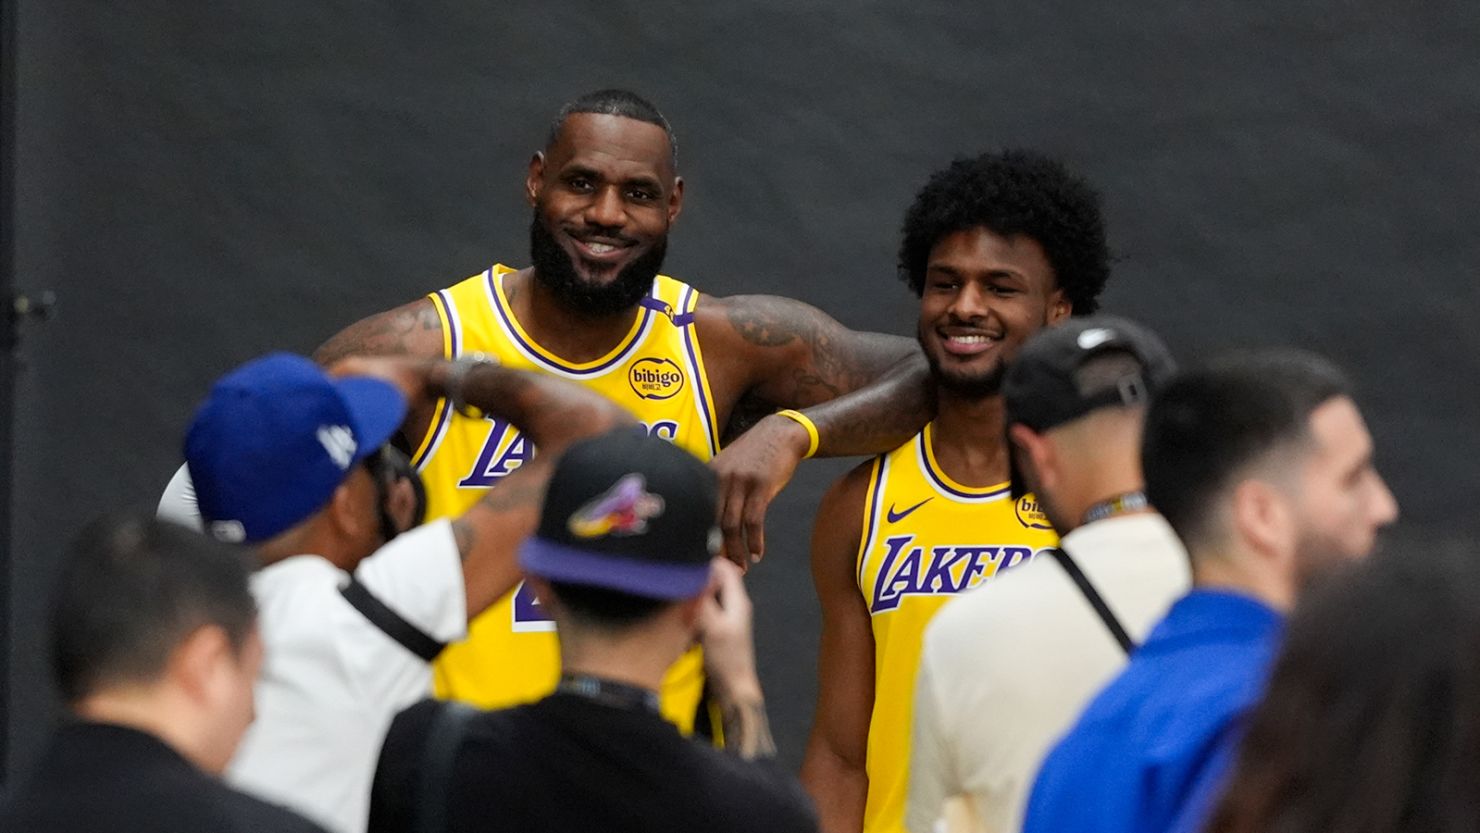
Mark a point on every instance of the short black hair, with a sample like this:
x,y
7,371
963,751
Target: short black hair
x,y
1206,425
131,590
615,102
1009,193
603,608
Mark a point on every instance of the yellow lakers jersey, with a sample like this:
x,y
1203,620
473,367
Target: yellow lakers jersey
x,y
511,655
925,539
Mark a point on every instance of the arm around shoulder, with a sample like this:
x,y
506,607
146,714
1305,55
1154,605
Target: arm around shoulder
x,y
851,393
554,414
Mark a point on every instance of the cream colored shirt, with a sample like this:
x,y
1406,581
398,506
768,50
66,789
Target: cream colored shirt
x,y
1006,668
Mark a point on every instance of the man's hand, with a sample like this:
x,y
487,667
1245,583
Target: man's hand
x,y
752,470
724,631
729,660
419,380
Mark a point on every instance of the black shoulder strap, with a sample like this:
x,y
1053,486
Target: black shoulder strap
x,y
1095,600
439,756
391,623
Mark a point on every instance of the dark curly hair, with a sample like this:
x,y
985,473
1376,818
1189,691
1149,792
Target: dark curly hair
x,y
1010,193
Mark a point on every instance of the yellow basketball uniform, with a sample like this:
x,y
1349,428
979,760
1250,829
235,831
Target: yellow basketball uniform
x,y
925,538
511,655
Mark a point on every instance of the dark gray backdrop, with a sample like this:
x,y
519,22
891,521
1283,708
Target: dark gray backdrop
x,y
202,182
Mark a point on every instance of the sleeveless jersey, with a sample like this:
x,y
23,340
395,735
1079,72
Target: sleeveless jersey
x,y
925,539
656,372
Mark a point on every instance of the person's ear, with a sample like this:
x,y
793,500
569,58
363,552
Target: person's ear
x,y
197,664
675,200
534,180
1059,307
690,609
347,507
1263,519
1038,458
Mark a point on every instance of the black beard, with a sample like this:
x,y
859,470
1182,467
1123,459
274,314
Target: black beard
x,y
965,387
555,270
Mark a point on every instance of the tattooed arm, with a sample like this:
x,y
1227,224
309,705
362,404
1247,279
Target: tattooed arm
x,y
413,330
551,412
792,355
865,392
729,660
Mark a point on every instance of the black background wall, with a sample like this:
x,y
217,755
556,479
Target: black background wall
x,y
202,182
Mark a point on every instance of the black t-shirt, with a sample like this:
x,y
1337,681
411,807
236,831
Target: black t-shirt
x,y
102,778
568,763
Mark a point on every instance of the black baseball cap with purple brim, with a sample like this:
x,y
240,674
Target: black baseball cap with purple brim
x,y
627,512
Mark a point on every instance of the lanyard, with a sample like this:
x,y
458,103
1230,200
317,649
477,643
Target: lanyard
x,y
620,695
1118,505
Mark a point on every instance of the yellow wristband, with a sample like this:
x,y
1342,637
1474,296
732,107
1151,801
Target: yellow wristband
x,y
802,420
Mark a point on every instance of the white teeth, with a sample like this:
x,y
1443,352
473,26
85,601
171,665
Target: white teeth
x,y
601,248
970,339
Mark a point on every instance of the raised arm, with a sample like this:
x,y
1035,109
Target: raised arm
x,y
833,770
864,392
551,412
729,660
413,330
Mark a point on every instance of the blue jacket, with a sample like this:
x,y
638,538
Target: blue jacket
x,y
1150,752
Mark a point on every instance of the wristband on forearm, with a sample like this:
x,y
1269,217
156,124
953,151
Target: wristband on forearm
x,y
801,419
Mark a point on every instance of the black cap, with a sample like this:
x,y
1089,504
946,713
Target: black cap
x,y
1041,391
627,512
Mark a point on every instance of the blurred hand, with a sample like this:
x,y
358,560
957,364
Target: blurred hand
x,y
412,376
752,470
725,633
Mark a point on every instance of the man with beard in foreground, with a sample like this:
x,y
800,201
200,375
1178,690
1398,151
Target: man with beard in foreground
x,y
996,247
1263,466
593,308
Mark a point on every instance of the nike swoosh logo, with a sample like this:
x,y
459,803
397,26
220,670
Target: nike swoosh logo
x,y
896,517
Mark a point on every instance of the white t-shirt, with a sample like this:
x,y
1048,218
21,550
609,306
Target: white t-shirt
x,y
1006,668
332,681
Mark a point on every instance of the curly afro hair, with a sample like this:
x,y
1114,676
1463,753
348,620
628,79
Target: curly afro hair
x,y
1010,193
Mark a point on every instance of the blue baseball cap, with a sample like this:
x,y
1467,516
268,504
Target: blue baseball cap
x,y
276,437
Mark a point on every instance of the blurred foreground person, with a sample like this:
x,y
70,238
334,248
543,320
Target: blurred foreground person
x,y
1075,401
283,458
1371,723
1263,466
623,559
155,650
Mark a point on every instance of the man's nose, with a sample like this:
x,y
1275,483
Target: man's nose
x,y
972,301
606,209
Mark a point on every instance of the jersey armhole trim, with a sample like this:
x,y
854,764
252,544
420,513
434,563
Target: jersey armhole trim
x,y
688,302
442,414
873,497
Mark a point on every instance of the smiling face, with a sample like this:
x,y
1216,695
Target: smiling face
x,y
983,296
604,195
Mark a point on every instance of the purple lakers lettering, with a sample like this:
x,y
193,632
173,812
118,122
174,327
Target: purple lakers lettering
x,y
491,464
942,570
